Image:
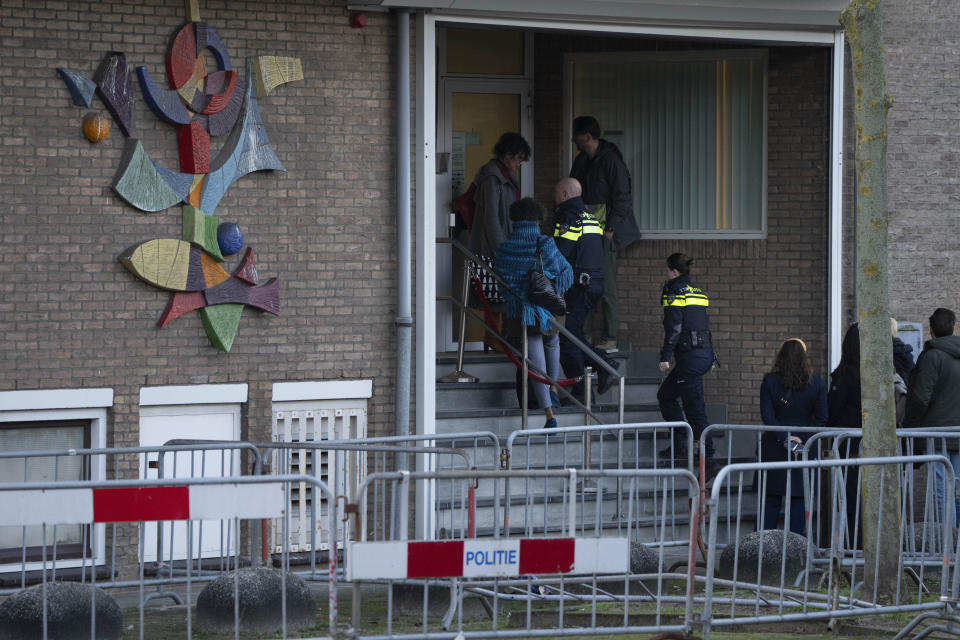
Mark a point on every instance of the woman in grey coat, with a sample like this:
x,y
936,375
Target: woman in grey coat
x,y
497,189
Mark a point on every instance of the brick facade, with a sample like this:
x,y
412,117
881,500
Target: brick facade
x,y
72,316
923,79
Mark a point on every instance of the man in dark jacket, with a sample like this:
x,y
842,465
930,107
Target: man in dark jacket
x,y
603,176
933,399
579,238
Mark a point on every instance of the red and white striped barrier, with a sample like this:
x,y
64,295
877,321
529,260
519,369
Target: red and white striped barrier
x,y
507,558
189,502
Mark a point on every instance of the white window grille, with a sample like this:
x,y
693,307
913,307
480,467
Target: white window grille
x,y
342,471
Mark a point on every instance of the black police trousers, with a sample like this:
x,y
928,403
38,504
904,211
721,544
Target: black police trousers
x,y
684,385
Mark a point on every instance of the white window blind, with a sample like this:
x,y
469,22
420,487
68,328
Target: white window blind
x,y
692,130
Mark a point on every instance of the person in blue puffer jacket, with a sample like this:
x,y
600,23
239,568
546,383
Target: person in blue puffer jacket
x,y
514,258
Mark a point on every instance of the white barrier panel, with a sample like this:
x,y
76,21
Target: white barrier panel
x,y
505,558
148,504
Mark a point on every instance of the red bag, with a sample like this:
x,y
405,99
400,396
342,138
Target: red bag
x,y
464,206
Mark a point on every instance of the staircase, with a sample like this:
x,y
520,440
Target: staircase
x,y
491,405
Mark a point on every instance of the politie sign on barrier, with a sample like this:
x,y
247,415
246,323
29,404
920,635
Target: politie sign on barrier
x,y
504,558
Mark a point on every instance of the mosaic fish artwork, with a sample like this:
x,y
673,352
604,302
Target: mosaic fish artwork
x,y
197,280
201,103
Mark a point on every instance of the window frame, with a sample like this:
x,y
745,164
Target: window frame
x,y
761,53
42,407
67,551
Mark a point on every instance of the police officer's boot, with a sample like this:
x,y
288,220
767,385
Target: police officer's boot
x,y
604,379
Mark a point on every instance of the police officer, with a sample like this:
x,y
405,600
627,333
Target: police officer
x,y
686,339
579,238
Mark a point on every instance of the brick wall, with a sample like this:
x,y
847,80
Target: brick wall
x,y
923,78
72,316
761,291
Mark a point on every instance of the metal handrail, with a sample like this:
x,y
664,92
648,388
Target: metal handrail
x,y
587,351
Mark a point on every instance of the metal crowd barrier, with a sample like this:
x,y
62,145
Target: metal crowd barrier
x,y
73,552
90,504
760,594
623,446
343,465
565,575
742,443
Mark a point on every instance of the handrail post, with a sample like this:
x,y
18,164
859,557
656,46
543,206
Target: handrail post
x,y
587,485
523,379
459,375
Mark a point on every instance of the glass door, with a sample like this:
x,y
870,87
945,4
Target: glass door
x,y
473,113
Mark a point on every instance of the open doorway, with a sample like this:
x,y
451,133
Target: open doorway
x,y
484,91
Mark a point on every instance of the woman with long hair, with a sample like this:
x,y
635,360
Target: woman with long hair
x,y
790,396
514,258
845,409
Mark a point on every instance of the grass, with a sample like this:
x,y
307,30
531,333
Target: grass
x,y
170,621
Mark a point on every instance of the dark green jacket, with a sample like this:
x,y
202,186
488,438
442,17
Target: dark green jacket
x,y
606,181
933,395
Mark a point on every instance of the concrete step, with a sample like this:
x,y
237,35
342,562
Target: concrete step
x,y
504,421
496,367
651,518
467,395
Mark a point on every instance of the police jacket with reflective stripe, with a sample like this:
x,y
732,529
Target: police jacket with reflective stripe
x,y
684,311
580,239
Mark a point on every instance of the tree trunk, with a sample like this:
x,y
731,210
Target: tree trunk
x,y
881,491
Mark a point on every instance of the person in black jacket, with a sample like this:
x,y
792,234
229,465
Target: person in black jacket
x,y
843,399
790,395
579,238
603,175
686,340
933,395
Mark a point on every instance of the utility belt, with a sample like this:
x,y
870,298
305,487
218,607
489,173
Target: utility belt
x,y
694,340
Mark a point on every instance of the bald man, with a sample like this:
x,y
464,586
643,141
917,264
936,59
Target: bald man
x,y
579,237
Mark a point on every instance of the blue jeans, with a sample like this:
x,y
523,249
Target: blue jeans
x,y
544,353
947,495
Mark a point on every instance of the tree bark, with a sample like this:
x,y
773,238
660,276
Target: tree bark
x,y
881,491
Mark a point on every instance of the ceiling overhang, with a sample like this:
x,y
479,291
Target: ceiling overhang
x,y
812,15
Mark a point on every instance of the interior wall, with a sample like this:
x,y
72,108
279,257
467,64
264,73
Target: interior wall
x,y
761,291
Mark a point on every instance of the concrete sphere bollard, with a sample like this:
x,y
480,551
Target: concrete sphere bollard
x,y
643,559
68,613
748,550
260,602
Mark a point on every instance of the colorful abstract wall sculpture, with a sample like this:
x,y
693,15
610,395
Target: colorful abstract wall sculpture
x,y
96,127
246,150
271,71
81,87
201,229
229,238
201,103
115,86
144,184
